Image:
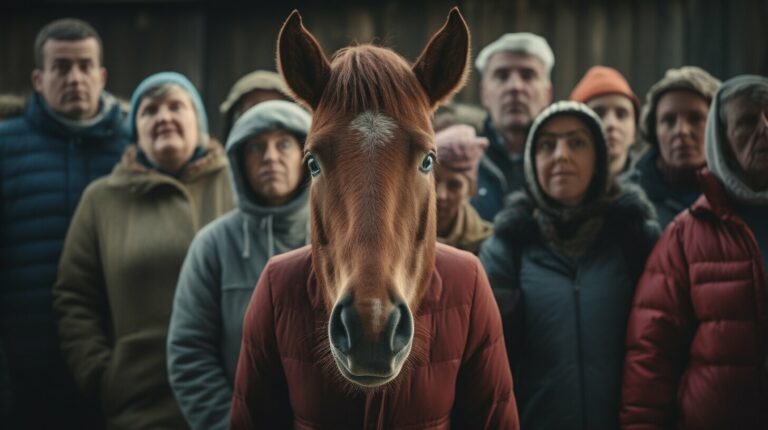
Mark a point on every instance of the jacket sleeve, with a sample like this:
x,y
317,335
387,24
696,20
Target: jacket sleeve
x,y
260,399
484,395
658,337
80,301
501,264
195,367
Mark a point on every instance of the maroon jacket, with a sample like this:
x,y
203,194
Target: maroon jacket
x,y
698,331
457,377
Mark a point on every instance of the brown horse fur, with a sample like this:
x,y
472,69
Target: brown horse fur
x,y
372,209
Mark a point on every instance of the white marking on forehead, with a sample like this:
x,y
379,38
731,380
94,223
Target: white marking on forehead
x,y
376,129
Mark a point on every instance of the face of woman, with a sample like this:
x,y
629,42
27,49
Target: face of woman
x,y
452,189
167,129
273,166
565,159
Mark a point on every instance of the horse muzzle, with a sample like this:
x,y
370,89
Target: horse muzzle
x,y
366,360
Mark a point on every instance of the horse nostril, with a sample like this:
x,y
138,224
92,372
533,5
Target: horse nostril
x,y
401,321
344,327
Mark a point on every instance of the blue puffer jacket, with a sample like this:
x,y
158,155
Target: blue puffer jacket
x,y
44,167
500,173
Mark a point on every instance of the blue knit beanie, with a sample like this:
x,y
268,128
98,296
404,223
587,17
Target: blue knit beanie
x,y
167,78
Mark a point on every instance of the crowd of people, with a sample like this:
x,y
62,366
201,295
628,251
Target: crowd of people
x,y
626,243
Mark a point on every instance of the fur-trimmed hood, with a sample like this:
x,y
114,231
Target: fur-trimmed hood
x,y
517,224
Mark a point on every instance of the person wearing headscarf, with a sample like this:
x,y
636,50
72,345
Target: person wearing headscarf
x,y
697,341
563,262
672,122
225,260
125,247
459,151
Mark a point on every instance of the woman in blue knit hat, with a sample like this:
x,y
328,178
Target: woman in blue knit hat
x,y
124,251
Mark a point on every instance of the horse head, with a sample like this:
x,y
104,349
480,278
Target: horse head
x,y
370,152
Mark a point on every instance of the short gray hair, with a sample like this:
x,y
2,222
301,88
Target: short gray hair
x,y
524,43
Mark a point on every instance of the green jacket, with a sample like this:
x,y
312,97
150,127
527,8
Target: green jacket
x,y
117,277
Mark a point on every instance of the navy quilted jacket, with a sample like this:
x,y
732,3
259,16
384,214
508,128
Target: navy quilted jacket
x,y
44,168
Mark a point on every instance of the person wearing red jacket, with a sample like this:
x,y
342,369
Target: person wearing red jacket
x,y
697,338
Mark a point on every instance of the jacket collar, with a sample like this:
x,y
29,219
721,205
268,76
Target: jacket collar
x,y
110,124
140,179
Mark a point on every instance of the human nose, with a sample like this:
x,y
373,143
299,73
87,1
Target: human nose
x,y
74,74
270,152
682,127
609,121
441,191
763,123
515,82
562,151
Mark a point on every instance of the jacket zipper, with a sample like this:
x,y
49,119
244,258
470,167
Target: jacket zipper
x,y
579,349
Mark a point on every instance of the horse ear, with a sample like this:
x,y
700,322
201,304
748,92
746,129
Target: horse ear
x,y
301,62
443,66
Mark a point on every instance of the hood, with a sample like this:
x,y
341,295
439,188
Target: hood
x,y
720,164
168,78
602,180
267,116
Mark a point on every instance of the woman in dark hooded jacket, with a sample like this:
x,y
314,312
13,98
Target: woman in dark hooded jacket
x,y
563,262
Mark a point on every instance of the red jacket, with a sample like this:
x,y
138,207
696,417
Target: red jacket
x,y
698,331
457,377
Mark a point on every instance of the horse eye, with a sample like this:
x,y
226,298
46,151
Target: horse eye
x,y
313,165
427,163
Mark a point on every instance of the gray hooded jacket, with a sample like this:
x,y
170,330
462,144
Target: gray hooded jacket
x,y
220,272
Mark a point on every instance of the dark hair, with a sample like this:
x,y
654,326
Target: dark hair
x,y
70,29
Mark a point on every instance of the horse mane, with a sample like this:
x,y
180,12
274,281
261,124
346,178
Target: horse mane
x,y
371,78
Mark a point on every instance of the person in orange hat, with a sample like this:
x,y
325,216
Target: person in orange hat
x,y
459,151
607,92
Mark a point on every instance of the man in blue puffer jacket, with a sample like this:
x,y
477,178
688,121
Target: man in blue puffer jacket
x,y
71,133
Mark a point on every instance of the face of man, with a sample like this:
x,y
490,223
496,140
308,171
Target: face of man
x,y
72,78
747,133
617,112
515,89
681,118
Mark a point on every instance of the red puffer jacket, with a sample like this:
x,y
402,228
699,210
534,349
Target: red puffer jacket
x,y
458,375
698,331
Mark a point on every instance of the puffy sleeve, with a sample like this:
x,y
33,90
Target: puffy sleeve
x,y
195,367
260,399
80,300
658,337
484,395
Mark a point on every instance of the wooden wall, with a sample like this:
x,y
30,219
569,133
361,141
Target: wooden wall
x,y
215,42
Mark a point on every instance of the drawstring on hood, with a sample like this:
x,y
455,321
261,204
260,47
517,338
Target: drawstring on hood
x,y
721,165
